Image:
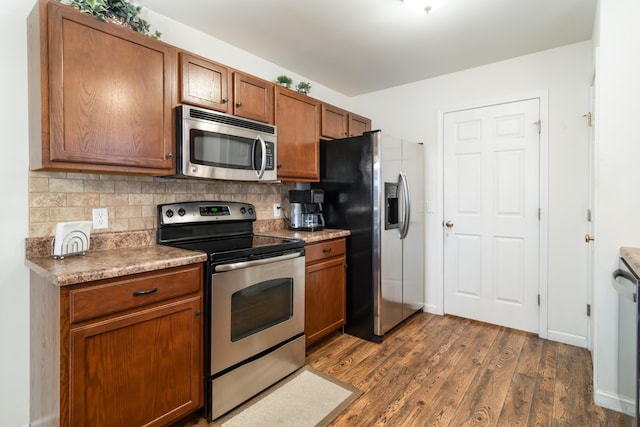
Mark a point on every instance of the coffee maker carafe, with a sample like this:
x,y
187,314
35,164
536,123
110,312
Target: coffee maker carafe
x,y
306,209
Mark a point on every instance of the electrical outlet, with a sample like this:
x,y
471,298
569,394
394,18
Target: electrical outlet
x,y
100,218
276,210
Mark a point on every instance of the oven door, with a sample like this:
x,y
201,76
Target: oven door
x,y
255,305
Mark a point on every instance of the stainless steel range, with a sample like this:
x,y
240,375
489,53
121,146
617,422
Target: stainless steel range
x,y
254,294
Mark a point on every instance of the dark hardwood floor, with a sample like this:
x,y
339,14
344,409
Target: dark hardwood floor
x,y
449,371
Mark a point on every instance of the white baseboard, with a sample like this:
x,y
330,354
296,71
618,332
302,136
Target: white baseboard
x,y
565,338
433,309
614,402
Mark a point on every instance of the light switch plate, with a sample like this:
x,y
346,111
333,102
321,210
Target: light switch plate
x,y
71,238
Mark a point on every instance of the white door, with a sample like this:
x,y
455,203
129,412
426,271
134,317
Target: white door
x,y
491,213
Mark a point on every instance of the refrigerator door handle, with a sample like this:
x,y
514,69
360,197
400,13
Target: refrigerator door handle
x,y
404,184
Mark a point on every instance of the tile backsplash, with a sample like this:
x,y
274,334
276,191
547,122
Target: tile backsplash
x,y
131,200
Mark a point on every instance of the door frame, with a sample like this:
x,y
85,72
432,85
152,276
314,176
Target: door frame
x,y
543,250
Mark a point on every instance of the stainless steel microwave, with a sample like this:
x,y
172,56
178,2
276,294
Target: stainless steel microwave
x,y
220,146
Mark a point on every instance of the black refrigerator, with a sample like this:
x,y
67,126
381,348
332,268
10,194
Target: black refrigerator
x,y
374,186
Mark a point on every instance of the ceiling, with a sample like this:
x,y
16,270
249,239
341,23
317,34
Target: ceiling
x,y
361,46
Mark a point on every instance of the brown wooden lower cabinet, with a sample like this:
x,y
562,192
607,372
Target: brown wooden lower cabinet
x,y
139,366
325,288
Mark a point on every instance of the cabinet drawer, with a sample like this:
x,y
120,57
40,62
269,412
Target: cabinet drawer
x,y
322,250
107,297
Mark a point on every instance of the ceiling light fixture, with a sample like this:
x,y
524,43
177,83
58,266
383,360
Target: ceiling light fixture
x,y
423,6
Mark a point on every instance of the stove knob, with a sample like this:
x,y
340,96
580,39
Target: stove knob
x,y
181,212
250,211
169,213
243,210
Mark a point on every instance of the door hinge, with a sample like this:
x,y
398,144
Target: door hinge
x,y
588,310
539,124
538,300
589,117
589,215
539,214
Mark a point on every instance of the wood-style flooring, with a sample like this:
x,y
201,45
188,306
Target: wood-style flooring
x,y
449,371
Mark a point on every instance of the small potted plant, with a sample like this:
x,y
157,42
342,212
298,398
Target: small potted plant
x,y
303,87
119,12
283,80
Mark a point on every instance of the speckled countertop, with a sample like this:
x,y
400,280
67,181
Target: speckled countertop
x,y
109,263
632,256
308,236
120,254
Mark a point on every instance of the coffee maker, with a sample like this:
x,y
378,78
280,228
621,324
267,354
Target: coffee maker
x,y
306,209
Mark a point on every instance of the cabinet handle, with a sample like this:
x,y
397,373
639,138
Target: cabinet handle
x,y
198,313
147,292
225,100
238,104
279,165
326,250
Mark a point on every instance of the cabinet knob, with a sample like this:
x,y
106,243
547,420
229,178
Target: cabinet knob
x,y
169,155
238,104
279,165
225,100
198,313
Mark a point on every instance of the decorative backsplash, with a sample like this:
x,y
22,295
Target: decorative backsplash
x,y
131,200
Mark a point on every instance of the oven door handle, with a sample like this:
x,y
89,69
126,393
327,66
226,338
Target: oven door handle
x,y
628,291
247,264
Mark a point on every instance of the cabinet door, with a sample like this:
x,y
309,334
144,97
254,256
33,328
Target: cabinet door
x,y
297,118
253,98
325,305
204,83
142,368
111,96
334,122
358,125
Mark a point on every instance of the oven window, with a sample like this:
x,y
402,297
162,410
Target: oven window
x,y
261,306
216,149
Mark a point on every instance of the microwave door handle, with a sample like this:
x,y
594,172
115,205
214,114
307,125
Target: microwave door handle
x,y
263,162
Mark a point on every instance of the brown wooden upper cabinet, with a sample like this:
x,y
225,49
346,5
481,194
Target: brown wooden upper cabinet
x,y
100,96
253,98
207,84
297,118
338,123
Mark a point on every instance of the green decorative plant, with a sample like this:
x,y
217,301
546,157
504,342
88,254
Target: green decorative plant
x,y
283,80
118,11
303,87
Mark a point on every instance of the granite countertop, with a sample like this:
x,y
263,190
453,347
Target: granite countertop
x,y
120,254
632,256
308,236
109,263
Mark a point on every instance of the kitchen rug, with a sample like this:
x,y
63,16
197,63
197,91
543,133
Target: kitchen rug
x,y
306,398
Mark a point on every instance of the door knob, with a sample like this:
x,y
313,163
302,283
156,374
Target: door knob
x,y
589,238
448,224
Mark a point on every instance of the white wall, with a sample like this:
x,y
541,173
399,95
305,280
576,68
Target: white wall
x,y
14,280
618,181
411,111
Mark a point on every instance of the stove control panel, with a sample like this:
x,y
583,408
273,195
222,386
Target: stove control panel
x,y
205,211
